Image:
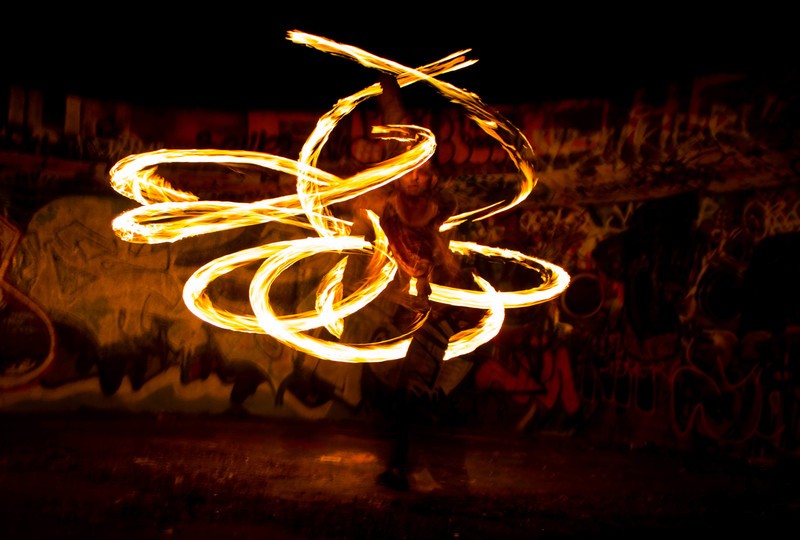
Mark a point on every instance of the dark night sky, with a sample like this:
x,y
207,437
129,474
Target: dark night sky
x,y
239,59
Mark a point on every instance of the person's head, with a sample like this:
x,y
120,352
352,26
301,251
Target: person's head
x,y
419,181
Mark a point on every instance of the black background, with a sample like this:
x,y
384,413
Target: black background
x,y
237,56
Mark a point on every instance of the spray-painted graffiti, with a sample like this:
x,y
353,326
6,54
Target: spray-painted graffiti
x,y
27,334
531,365
722,355
678,220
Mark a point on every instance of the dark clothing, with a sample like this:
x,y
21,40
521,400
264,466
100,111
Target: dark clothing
x,y
416,246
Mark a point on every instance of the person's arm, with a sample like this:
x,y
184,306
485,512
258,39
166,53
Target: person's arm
x,y
392,110
389,100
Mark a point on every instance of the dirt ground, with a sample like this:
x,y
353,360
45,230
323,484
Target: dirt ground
x,y
202,477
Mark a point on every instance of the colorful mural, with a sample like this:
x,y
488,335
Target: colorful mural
x,y
677,217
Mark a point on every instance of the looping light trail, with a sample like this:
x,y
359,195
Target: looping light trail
x,y
167,214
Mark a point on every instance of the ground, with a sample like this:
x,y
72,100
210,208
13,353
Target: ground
x,y
85,475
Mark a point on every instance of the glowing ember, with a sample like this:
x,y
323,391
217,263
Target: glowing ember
x,y
168,215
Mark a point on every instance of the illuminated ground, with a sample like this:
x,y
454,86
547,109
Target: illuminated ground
x,y
90,475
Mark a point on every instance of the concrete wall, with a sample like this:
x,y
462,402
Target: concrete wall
x,y
676,213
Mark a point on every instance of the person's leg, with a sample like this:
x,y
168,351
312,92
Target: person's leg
x,y
396,474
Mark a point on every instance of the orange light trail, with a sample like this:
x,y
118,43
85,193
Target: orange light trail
x,y
167,214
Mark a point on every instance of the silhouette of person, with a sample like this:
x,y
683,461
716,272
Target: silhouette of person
x,y
411,215
411,219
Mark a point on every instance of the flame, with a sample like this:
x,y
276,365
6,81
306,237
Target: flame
x,y
167,214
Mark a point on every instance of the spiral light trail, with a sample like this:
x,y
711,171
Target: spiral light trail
x,y
167,214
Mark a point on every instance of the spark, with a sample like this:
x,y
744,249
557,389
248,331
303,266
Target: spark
x,y
168,214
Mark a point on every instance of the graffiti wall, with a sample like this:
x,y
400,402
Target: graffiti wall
x,y
676,215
